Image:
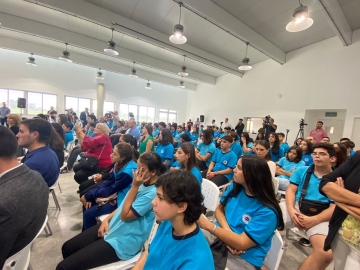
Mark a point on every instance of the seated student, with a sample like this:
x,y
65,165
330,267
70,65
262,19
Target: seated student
x,y
283,144
118,183
201,129
260,135
177,134
194,136
156,130
325,140
122,234
131,140
90,132
69,135
247,215
187,130
185,159
216,133
287,165
349,146
120,129
298,141
109,123
306,147
299,211
205,150
183,139
235,146
262,149
276,152
165,148
56,143
220,170
179,243
246,143
341,154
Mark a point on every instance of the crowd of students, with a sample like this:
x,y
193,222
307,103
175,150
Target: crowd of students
x,y
129,182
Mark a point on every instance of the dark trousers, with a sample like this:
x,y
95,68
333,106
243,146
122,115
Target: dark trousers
x,y
4,121
202,165
115,140
88,185
73,155
218,180
90,215
81,175
86,251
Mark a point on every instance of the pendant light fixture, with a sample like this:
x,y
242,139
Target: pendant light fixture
x,y
99,75
181,85
245,62
301,19
133,72
66,55
183,72
111,50
31,61
178,37
148,85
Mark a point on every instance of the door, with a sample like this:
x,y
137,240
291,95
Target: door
x,y
355,133
334,128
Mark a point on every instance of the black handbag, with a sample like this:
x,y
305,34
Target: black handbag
x,y
90,162
309,207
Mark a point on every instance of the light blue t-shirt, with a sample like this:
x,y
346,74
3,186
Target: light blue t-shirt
x,y
156,132
194,138
171,252
307,158
195,171
177,135
247,214
312,192
128,237
223,161
131,165
276,157
216,135
207,148
237,149
285,146
289,166
69,137
249,145
165,152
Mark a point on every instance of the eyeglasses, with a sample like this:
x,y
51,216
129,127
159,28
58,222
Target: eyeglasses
x,y
321,154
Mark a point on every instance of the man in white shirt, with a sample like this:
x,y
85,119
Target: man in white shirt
x,y
226,124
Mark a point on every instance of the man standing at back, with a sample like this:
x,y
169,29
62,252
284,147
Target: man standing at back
x,y
133,129
4,111
83,117
34,134
24,198
318,133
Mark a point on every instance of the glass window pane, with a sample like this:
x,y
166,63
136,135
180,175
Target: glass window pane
x,y
151,115
13,98
133,109
163,117
124,111
172,117
49,100
94,107
4,96
72,102
34,103
83,103
108,106
172,111
163,110
142,114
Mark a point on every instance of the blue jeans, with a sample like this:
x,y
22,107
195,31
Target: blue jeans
x,y
283,183
89,215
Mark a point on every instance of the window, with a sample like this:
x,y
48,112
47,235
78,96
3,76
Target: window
x,y
40,103
11,99
141,113
167,116
146,114
94,106
77,104
49,100
124,111
109,106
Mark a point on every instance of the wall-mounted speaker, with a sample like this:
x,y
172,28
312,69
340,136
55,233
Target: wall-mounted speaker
x,y
21,103
202,118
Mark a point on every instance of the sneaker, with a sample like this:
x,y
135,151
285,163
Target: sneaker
x,y
65,171
304,242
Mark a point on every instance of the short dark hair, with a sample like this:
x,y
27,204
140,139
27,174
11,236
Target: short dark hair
x,y
162,124
42,116
228,138
328,147
93,117
320,122
185,137
241,119
326,137
153,161
180,186
166,137
93,124
281,134
40,126
69,125
9,145
298,153
349,144
344,139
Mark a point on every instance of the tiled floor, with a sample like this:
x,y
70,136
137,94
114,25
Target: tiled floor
x,y
46,251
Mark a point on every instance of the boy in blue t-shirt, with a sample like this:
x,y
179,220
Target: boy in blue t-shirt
x,y
223,162
69,135
283,144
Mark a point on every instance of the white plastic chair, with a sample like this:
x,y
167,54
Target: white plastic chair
x,y
101,218
128,264
52,191
273,258
276,184
62,167
211,193
21,260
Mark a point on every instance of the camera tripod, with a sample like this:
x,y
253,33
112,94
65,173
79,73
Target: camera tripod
x,y
300,134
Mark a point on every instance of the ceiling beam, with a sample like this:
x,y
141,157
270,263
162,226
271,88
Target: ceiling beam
x,y
61,35
220,17
337,20
96,14
85,60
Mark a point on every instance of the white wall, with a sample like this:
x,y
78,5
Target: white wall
x,y
320,76
61,78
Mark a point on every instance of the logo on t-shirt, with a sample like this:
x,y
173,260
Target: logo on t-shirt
x,y
162,151
225,162
306,159
246,218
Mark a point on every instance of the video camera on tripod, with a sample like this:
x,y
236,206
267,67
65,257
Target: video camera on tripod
x,y
302,123
267,119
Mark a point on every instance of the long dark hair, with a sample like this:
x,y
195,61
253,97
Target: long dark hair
x,y
153,161
189,149
56,143
59,129
130,139
125,151
262,132
208,136
166,137
298,153
276,146
258,179
267,147
149,129
309,146
247,137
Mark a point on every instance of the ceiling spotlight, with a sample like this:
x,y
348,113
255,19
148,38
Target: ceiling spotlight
x,y
133,72
245,62
183,72
31,61
178,37
111,49
66,55
181,83
148,85
301,20
99,75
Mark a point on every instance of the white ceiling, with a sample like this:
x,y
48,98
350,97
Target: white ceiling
x,y
211,51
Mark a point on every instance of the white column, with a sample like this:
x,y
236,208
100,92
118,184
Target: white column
x,y
100,99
